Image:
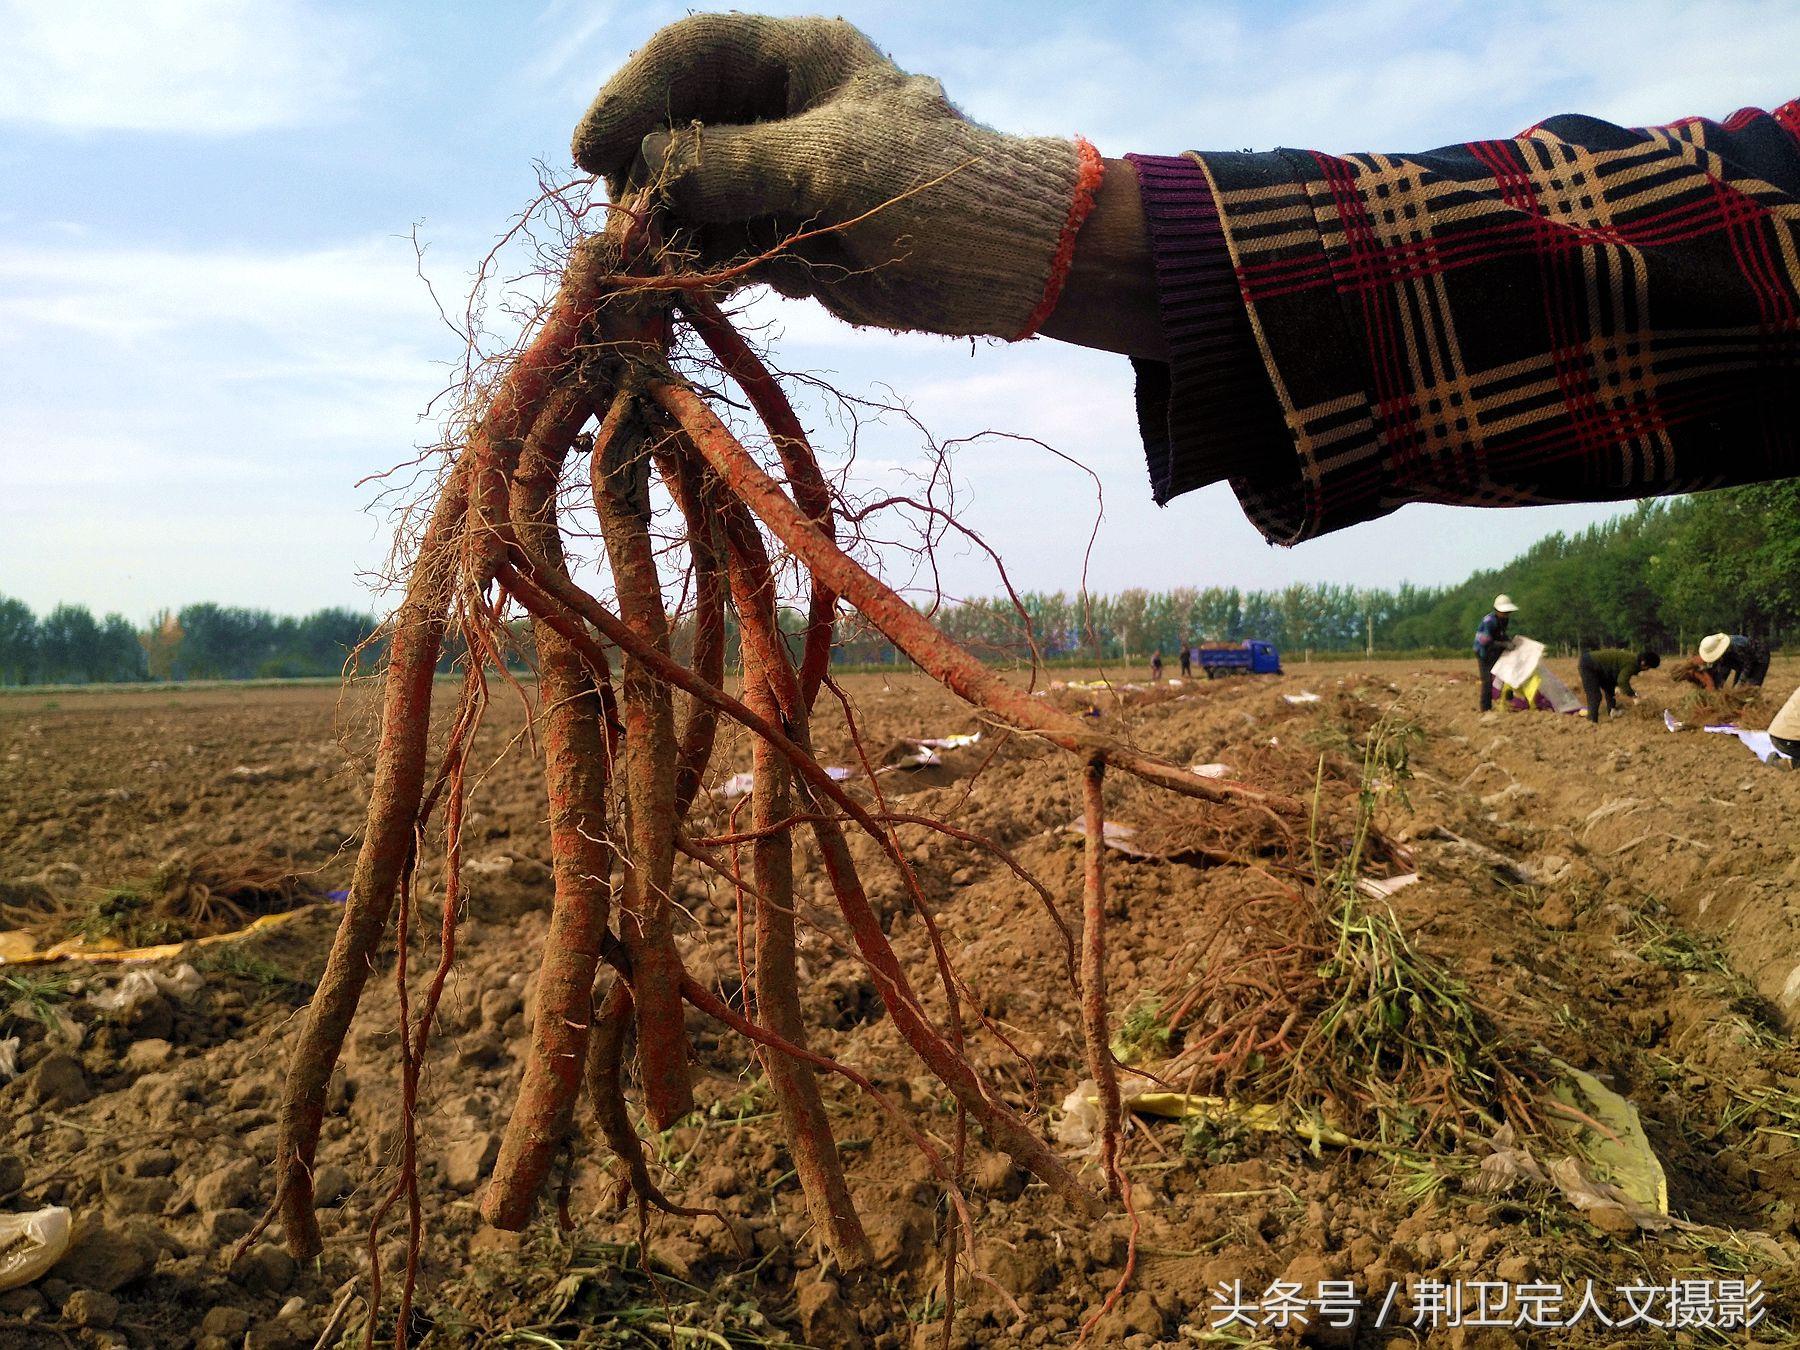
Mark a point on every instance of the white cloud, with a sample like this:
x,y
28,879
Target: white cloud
x,y
1372,74
197,67
577,30
124,296
224,403
189,422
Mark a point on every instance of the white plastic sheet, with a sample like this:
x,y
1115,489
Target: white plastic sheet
x,y
31,1243
740,784
1518,661
1757,742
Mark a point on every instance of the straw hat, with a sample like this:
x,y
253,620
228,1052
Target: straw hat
x,y
1712,648
1503,604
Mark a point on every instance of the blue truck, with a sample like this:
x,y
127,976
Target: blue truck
x,y
1254,657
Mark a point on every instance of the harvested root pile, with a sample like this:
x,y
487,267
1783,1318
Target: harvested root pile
x,y
626,732
190,895
1699,706
1322,769
1311,995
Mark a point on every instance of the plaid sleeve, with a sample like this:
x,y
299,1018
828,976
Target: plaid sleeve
x,y
1582,313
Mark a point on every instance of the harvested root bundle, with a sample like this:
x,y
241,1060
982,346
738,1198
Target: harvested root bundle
x,y
1700,706
1318,1001
627,730
188,895
1308,992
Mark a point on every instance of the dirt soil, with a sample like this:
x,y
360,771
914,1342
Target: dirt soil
x,y
1623,897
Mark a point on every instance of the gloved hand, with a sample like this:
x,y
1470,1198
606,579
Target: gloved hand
x,y
766,127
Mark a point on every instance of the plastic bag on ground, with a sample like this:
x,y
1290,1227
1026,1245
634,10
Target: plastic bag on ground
x,y
1620,1146
31,1243
139,986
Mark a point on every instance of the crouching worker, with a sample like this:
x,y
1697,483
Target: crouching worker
x,y
1784,731
1733,658
1608,672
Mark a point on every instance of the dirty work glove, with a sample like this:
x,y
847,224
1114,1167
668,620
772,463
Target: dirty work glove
x,y
765,127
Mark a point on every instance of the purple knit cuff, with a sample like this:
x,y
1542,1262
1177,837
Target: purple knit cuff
x,y
1209,412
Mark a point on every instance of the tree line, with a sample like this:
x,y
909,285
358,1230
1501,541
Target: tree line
x,y
1662,575
199,642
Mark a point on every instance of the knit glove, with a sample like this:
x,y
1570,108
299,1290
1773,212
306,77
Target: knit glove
x,y
759,129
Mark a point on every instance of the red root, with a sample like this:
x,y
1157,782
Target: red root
x,y
622,773
1095,1035
576,770
621,487
911,631
417,633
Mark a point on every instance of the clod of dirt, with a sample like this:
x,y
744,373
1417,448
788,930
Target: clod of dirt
x,y
469,1160
126,1194
57,1081
331,1184
23,1303
151,1053
288,1330
264,1269
223,1227
824,1320
1555,914
152,1162
91,1308
997,1175
232,1186
105,1259
227,1322
895,1234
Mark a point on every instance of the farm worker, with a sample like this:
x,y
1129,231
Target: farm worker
x,y
1608,671
1156,666
1187,659
1491,641
1784,731
1336,336
1734,657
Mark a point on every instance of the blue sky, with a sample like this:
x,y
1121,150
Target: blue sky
x,y
210,326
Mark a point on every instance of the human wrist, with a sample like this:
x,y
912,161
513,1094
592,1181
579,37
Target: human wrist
x,y
1108,299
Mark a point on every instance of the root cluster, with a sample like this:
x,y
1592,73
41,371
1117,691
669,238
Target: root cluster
x,y
1308,991
189,895
609,389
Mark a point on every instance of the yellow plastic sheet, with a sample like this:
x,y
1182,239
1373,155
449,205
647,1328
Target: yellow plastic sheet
x,y
18,949
1251,1115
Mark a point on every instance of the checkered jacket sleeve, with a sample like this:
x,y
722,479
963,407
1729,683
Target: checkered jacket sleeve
x,y
1581,313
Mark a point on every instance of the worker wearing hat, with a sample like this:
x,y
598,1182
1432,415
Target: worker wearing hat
x,y
1735,658
1490,641
1784,731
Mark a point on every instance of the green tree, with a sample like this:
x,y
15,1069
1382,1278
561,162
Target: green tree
x,y
18,641
70,650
